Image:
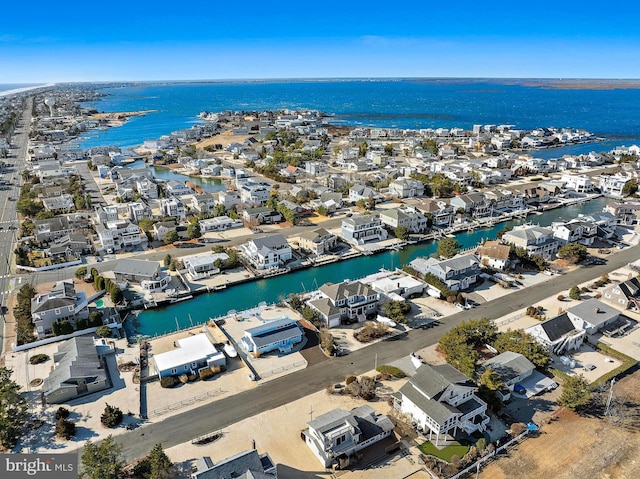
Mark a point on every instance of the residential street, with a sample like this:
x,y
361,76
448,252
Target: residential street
x,y
210,417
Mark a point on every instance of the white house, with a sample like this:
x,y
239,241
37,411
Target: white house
x,y
612,185
441,400
192,355
267,252
173,206
219,223
336,436
362,229
537,240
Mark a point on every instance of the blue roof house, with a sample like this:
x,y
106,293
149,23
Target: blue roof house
x,y
281,335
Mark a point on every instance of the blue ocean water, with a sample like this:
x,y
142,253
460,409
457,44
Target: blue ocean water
x,y
14,86
613,114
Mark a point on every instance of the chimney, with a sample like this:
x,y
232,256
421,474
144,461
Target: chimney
x,y
597,310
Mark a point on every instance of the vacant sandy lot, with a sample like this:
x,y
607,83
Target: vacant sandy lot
x,y
577,447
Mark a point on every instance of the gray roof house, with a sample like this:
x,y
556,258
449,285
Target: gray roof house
x,y
512,369
136,270
592,315
458,273
351,301
537,240
624,294
267,252
336,437
244,465
59,304
440,399
78,371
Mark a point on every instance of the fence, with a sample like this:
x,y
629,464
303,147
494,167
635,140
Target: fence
x,y
54,339
283,369
185,402
50,267
476,466
510,319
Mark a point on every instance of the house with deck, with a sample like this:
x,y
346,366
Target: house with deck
x,y
337,436
244,465
278,335
537,240
440,401
457,273
345,301
317,242
61,303
363,229
191,355
267,252
78,370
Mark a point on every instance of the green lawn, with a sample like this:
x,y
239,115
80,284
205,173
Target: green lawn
x,y
446,453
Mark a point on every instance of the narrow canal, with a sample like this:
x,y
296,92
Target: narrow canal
x,y
247,295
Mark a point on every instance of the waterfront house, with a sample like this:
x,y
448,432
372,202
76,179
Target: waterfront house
x,y
267,252
494,255
605,224
177,189
244,465
161,228
276,335
203,265
338,435
317,242
574,231
513,368
396,286
626,213
406,188
537,240
406,216
147,188
457,273
192,354
441,400
577,183
173,207
625,294
61,303
362,229
129,270
441,212
352,302
475,204
78,370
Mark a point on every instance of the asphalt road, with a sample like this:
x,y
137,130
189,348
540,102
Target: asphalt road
x,y
11,173
224,412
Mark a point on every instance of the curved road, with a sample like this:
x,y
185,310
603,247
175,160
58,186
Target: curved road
x,y
210,417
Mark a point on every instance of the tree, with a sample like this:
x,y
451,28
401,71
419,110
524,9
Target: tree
x,y
448,247
219,210
102,461
630,188
193,230
575,392
111,417
523,343
167,260
65,429
397,311
95,319
491,380
103,332
171,237
572,252
322,210
13,410
81,272
116,295
66,327
388,149
574,293
402,232
161,465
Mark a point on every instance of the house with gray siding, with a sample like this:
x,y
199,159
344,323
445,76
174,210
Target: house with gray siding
x,y
457,273
78,370
62,303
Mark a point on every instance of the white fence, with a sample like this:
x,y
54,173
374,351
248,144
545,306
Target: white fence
x,y
54,339
48,268
185,402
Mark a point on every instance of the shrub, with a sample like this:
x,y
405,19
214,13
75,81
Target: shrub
x,y
206,374
574,293
192,377
38,358
103,332
391,371
350,379
65,429
62,413
183,378
169,382
561,297
364,388
66,327
481,444
111,417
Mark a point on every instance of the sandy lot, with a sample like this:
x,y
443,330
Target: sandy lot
x,y
280,436
577,447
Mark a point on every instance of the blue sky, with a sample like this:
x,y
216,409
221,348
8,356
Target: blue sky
x,y
134,40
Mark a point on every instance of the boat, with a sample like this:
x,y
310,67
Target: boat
x,y
230,351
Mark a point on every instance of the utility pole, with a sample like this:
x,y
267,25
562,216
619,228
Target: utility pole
x,y
606,410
